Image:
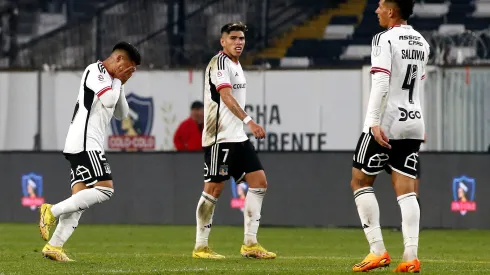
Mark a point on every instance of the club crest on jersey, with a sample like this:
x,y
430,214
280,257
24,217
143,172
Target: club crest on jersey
x,y
463,195
223,170
134,132
32,190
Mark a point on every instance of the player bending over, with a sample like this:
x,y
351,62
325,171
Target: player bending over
x,y
227,149
101,96
393,132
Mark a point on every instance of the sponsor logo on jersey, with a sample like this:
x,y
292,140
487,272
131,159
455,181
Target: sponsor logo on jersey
x,y
405,115
32,190
134,132
238,194
239,86
463,195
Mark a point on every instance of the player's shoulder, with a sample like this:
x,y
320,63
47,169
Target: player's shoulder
x,y
382,36
417,33
97,71
220,60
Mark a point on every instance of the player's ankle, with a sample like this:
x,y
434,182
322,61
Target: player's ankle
x,y
200,245
378,248
250,240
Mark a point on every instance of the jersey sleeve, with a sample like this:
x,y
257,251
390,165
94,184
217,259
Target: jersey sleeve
x,y
102,86
424,71
220,74
381,55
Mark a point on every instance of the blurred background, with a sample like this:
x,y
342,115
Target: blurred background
x,y
307,67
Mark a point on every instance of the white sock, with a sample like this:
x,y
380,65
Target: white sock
x,y
82,200
410,225
368,209
251,214
66,225
204,218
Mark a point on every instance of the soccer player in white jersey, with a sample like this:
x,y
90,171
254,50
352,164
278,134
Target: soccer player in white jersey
x,y
393,132
101,96
227,149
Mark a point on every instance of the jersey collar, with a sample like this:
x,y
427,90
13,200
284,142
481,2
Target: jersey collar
x,y
101,63
221,52
400,26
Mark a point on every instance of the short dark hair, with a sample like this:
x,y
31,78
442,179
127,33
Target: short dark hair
x,y
133,53
231,27
405,7
197,105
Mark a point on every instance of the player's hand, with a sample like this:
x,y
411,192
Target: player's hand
x,y
256,129
425,137
380,137
124,74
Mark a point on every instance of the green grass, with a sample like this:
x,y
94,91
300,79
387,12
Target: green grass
x,y
123,249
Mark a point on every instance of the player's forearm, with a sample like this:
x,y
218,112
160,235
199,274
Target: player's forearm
x,y
122,107
379,89
233,105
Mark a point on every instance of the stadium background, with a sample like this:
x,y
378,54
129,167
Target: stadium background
x,y
307,68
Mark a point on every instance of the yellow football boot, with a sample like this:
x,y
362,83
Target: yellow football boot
x,y
256,251
206,253
46,221
55,253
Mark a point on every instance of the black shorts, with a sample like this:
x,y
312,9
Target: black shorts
x,y
88,167
372,158
234,159
419,170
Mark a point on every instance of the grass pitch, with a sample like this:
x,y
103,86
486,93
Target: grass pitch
x,y
124,249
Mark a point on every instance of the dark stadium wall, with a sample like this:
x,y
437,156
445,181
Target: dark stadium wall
x,y
305,189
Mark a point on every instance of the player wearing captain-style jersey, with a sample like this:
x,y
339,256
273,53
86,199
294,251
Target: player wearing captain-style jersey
x,y
227,149
101,96
393,132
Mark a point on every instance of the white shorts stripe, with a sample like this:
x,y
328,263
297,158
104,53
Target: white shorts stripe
x,y
95,163
211,163
365,148
361,148
92,163
214,159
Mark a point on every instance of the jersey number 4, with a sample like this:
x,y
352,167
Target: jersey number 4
x,y
409,82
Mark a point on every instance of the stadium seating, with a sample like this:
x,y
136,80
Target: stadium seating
x,y
37,17
347,40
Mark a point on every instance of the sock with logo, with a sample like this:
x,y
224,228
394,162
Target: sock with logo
x,y
251,214
410,225
82,200
66,225
204,219
368,209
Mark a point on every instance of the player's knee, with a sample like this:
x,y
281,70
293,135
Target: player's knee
x,y
105,193
256,179
213,188
360,180
261,183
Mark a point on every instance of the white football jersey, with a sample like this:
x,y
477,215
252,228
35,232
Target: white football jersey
x,y
90,118
220,124
402,53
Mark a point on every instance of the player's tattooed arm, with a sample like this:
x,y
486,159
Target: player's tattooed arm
x,y
232,104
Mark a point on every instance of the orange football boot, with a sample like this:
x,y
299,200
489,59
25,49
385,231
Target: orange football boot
x,y
372,261
409,267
